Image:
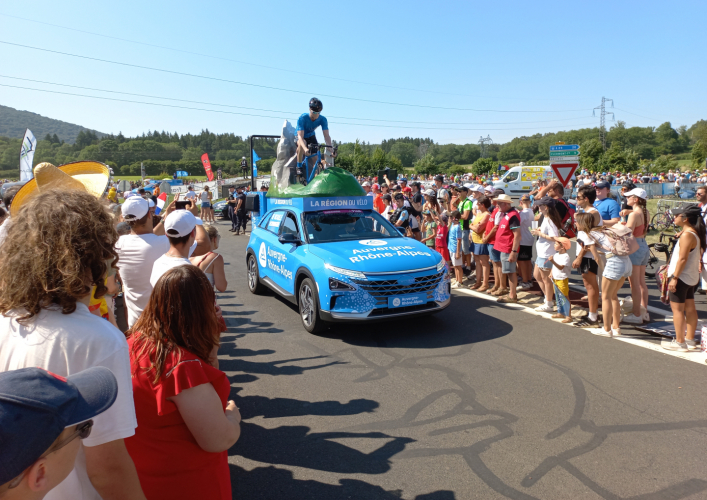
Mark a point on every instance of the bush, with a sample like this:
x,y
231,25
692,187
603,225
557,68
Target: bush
x,y
483,166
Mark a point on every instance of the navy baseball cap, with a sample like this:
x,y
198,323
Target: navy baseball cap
x,y
602,185
36,406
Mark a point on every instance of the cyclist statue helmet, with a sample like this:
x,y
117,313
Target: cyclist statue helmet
x,y
306,125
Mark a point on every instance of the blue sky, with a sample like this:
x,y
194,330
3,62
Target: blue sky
x,y
531,66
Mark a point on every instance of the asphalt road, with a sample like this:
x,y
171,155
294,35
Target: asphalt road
x,y
479,401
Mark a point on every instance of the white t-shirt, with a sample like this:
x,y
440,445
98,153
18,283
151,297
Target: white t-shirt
x,y
3,229
597,238
164,264
137,254
190,195
545,248
581,235
66,344
526,220
561,259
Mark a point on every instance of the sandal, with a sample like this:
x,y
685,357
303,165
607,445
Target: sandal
x,y
556,316
507,300
482,289
566,320
500,292
492,291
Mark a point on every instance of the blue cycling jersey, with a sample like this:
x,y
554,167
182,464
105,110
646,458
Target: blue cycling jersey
x,y
305,123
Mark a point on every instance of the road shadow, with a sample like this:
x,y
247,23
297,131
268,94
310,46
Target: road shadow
x,y
271,483
257,406
459,324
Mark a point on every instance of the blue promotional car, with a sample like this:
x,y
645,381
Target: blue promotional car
x,y
339,260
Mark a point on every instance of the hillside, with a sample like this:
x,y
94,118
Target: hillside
x,y
13,123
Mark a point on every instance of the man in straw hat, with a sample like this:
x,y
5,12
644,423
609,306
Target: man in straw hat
x,y
507,243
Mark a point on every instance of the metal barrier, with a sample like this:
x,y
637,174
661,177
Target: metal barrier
x,y
659,190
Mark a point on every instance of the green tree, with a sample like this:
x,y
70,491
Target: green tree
x,y
591,152
699,154
426,165
664,163
405,152
483,166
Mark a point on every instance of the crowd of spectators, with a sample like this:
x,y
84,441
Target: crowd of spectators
x,y
154,419
489,244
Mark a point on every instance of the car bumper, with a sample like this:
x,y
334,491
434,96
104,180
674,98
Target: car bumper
x,y
385,314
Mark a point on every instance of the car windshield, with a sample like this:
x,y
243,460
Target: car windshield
x,y
345,225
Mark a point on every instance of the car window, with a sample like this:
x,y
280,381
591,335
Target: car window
x,y
289,225
275,221
345,225
512,176
266,220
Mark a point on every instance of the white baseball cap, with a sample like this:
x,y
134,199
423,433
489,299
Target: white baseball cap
x,y
641,193
366,184
134,208
150,203
478,188
179,223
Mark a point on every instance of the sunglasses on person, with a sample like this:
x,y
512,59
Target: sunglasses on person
x,y
82,432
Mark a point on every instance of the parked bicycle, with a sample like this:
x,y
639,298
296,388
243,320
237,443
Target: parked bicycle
x,y
315,151
663,221
661,247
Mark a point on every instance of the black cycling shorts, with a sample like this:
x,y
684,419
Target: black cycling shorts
x,y
588,266
683,292
525,252
311,140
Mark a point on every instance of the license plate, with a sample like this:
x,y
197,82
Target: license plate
x,y
407,300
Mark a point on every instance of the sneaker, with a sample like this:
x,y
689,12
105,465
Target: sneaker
x,y
524,285
456,285
674,345
633,319
692,345
604,333
545,308
646,317
616,332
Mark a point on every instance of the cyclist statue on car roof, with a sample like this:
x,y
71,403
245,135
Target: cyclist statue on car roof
x,y
306,126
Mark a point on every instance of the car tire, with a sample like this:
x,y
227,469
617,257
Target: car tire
x,y
308,302
254,284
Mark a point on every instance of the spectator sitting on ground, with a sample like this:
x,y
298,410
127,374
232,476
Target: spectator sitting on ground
x,y
186,423
43,417
47,273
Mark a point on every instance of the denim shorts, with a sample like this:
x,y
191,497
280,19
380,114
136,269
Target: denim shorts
x,y
617,267
640,256
541,263
466,250
494,255
506,266
481,249
205,204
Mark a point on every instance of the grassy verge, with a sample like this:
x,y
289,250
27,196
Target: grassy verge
x,y
652,205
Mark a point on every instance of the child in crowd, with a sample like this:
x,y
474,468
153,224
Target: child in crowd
x,y
525,255
560,275
430,229
441,239
455,249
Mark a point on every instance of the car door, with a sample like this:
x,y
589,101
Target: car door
x,y
286,258
268,242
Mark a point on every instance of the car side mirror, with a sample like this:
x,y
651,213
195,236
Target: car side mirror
x,y
289,238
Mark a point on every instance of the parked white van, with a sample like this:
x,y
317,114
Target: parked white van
x,y
519,180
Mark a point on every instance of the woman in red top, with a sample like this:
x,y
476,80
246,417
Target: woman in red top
x,y
185,423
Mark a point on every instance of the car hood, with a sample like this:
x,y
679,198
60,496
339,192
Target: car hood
x,y
377,256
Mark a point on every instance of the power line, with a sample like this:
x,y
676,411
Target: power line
x,y
181,73
309,74
280,111
251,114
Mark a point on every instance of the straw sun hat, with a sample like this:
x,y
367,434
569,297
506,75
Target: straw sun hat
x,y
89,176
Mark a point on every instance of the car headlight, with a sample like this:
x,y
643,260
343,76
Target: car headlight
x,y
336,285
440,265
345,272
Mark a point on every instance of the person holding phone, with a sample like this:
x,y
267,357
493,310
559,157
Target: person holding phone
x,y
185,422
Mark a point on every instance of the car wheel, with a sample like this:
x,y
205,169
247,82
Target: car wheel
x,y
309,307
254,284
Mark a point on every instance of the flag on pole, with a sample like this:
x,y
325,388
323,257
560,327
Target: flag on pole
x,y
161,200
207,166
255,159
29,145
563,303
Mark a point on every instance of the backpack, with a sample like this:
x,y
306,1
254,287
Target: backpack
x,y
568,228
621,239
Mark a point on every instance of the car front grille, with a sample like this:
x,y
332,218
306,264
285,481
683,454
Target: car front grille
x,y
382,289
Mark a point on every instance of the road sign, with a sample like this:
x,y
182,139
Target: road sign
x,y
564,153
566,147
564,171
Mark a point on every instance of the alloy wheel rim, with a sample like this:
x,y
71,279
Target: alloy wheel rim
x,y
251,274
305,298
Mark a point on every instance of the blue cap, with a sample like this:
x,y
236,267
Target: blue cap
x,y
36,406
602,184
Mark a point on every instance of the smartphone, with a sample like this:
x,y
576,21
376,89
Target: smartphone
x,y
181,205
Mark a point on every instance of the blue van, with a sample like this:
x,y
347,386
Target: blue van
x,y
339,260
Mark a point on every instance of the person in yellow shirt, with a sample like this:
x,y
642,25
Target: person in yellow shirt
x,y
113,195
